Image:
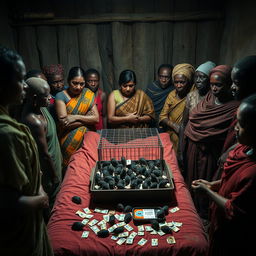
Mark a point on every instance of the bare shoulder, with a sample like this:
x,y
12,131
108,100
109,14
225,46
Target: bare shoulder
x,y
33,121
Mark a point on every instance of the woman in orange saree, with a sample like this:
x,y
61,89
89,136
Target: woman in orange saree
x,y
76,113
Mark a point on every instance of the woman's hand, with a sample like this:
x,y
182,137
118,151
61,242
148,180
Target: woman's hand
x,y
132,118
66,121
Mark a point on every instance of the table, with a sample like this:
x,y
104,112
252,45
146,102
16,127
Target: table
x,y
190,240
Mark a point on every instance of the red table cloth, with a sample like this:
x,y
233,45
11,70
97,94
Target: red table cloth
x,y
190,239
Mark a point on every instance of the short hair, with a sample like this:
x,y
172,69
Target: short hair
x,y
127,76
75,71
33,73
91,71
8,64
246,75
249,111
164,66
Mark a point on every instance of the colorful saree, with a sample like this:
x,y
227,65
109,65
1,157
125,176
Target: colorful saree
x,y
72,140
139,103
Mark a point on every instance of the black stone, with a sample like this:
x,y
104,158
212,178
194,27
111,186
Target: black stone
x,y
163,183
112,220
160,214
127,208
118,230
155,225
127,217
166,229
120,207
165,209
103,233
123,161
114,162
76,200
77,226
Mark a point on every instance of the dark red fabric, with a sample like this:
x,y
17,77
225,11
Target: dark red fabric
x,y
208,121
203,142
99,105
190,240
231,135
230,232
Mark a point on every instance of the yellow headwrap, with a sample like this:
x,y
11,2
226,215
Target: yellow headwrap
x,y
184,69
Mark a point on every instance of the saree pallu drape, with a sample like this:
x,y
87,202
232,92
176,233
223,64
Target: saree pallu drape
x,y
72,140
139,103
173,111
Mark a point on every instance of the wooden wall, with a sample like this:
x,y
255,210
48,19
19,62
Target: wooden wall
x,y
114,35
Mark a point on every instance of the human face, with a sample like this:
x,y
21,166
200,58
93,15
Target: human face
x,y
56,84
43,99
181,84
164,77
15,93
235,87
128,89
76,85
92,82
244,131
202,82
218,85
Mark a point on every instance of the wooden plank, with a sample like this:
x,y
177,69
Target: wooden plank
x,y
27,47
88,47
129,17
7,36
68,47
47,45
106,55
208,41
143,57
163,44
122,49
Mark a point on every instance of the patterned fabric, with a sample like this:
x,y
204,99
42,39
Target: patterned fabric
x,y
158,96
53,69
72,140
20,234
98,102
173,111
183,69
139,103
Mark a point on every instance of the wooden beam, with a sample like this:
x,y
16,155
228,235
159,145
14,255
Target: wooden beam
x,y
115,17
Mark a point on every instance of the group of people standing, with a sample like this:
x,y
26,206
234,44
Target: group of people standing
x,y
200,108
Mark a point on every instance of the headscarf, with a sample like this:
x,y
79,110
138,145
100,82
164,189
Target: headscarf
x,y
53,69
223,71
183,69
206,67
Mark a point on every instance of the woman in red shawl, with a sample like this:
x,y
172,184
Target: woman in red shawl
x,y
233,210
206,130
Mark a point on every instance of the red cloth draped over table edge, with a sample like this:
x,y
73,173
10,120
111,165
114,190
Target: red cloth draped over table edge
x,y
190,240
